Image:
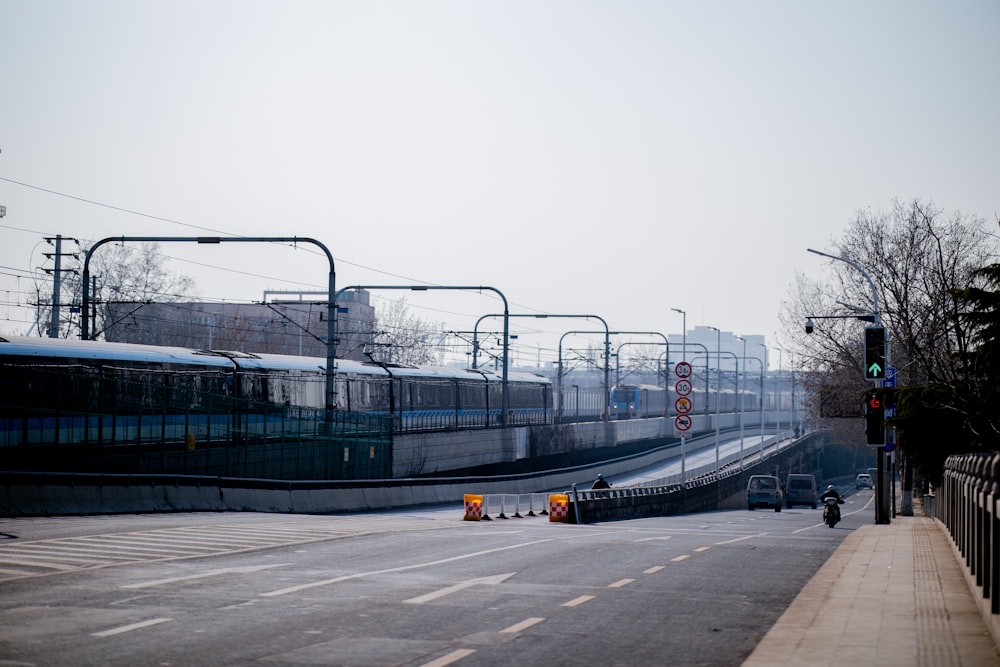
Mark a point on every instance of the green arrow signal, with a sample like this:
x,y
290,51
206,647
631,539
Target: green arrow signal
x,y
874,370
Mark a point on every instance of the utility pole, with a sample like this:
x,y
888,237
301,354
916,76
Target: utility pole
x,y
57,280
3,209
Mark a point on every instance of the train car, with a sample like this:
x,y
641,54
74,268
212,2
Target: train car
x,y
61,390
631,401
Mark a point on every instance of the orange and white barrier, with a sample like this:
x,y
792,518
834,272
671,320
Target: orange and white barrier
x,y
559,507
473,507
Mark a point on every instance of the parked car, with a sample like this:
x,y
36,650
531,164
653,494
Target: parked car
x,y
800,490
764,491
864,481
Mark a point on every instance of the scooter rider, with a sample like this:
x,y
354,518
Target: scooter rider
x,y
831,492
601,483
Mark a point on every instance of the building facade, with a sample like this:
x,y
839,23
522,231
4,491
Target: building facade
x,y
296,327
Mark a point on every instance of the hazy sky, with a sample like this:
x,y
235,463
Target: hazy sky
x,y
617,158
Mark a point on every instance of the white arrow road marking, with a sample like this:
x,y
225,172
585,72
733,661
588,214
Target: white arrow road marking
x,y
496,579
202,575
740,539
403,568
129,628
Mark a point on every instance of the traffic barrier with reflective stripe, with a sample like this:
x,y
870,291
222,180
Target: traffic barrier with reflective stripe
x,y
559,507
473,507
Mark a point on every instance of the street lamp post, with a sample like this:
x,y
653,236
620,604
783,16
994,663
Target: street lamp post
x,y
607,365
538,316
763,373
718,392
684,332
504,389
882,506
777,396
330,388
740,398
666,345
760,402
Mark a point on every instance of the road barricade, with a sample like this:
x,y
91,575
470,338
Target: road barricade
x,y
559,507
473,507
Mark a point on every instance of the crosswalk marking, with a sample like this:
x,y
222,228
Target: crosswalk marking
x,y
44,557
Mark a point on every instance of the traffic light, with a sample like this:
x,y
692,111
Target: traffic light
x,y
874,419
874,353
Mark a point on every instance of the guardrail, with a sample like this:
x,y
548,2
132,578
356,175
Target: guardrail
x,y
518,505
968,504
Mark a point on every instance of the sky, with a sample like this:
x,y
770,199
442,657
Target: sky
x,y
621,159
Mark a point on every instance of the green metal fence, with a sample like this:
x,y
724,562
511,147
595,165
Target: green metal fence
x,y
61,419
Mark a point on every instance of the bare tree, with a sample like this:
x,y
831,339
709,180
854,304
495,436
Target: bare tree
x,y
122,275
920,260
401,337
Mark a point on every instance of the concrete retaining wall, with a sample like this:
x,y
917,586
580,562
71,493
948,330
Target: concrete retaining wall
x,y
33,494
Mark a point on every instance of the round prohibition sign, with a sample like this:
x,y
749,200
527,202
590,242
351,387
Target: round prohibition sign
x,y
683,405
683,387
683,369
682,422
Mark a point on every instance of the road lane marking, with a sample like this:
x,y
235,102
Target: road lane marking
x,y
402,568
48,564
653,570
130,628
620,583
680,558
650,539
523,625
701,549
454,656
576,602
497,579
202,575
740,539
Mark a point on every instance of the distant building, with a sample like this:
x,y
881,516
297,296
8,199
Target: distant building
x,y
296,327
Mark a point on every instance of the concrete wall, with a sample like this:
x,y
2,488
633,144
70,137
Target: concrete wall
x,y
33,494
428,453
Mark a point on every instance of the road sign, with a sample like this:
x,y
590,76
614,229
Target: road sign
x,y
683,405
890,377
683,387
683,422
683,369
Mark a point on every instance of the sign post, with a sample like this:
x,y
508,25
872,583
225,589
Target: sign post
x,y
683,421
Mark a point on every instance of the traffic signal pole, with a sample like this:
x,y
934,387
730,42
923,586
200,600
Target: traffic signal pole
x,y
881,488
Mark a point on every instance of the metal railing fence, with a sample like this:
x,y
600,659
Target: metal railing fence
x,y
968,504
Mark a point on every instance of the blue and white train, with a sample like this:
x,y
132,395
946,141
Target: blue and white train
x,y
65,390
632,401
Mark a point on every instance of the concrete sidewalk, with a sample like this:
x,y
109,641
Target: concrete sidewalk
x,y
890,595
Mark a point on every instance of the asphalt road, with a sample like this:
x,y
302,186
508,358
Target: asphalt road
x,y
408,588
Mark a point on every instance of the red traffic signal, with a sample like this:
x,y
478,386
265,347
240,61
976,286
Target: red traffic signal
x,y
874,420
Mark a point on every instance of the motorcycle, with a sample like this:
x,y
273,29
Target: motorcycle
x,y
831,510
